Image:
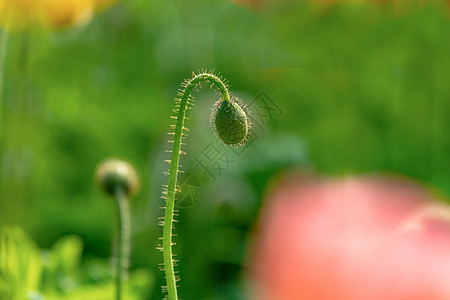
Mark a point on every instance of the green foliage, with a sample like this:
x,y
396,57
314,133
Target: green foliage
x,y
27,272
20,264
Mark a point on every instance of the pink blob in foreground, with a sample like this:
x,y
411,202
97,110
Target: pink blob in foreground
x,y
354,239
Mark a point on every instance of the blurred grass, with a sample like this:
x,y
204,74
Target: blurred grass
x,y
361,88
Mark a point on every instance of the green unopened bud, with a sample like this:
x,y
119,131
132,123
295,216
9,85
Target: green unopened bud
x,y
114,174
231,122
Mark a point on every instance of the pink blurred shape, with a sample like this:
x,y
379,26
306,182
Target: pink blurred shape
x,y
364,238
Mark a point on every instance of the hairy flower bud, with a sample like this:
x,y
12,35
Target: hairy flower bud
x,y
231,122
113,174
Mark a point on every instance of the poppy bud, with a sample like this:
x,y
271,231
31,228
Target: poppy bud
x,y
113,174
231,122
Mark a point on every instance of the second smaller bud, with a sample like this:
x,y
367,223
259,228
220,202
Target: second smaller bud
x,y
113,174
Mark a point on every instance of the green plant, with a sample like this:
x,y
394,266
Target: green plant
x,y
119,179
232,127
58,273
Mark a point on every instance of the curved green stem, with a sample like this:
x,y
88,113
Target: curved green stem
x,y
173,172
122,240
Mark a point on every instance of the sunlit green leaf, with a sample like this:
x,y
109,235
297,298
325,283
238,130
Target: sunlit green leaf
x,y
20,264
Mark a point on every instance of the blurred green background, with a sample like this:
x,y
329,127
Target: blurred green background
x,y
353,87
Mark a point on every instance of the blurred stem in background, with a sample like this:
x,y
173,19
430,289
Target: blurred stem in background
x,y
122,238
19,119
119,180
3,42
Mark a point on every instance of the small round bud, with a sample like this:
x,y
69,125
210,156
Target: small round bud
x,y
113,174
231,122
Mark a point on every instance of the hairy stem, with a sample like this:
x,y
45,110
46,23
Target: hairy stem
x,y
122,240
173,172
